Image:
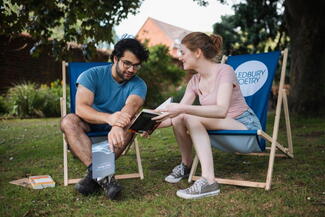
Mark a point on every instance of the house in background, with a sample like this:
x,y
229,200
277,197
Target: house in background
x,y
157,32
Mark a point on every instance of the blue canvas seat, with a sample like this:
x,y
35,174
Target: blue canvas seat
x,y
74,70
255,74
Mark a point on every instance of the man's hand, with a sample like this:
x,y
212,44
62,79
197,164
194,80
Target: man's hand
x,y
116,137
119,119
145,135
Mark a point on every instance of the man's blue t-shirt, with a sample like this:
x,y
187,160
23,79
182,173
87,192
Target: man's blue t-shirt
x,y
109,95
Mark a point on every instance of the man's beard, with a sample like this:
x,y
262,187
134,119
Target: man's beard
x,y
120,74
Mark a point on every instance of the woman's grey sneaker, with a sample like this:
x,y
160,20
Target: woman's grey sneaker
x,y
179,172
199,189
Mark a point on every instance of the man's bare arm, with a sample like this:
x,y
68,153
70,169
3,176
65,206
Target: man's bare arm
x,y
117,136
84,101
133,105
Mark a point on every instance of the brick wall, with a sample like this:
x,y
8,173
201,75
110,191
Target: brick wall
x,y
17,65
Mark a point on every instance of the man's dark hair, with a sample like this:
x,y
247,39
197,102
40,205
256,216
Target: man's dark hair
x,y
131,45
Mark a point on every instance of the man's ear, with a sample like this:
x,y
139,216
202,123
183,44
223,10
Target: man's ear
x,y
115,59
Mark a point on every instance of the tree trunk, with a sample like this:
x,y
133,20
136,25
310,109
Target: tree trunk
x,y
305,23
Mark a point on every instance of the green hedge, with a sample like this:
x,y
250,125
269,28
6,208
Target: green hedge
x,y
30,100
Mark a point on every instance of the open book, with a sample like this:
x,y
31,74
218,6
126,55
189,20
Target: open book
x,y
143,123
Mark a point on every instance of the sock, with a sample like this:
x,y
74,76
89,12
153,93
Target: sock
x,y
90,168
90,171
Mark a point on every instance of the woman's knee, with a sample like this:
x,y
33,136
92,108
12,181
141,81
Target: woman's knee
x,y
191,121
178,120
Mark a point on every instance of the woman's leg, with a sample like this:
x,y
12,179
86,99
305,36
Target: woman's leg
x,y
202,146
197,127
183,139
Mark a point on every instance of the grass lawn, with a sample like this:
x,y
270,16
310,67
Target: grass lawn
x,y
34,147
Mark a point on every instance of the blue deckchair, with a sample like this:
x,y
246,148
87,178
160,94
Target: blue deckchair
x,y
255,74
74,70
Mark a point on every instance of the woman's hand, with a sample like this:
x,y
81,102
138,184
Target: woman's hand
x,y
162,117
171,110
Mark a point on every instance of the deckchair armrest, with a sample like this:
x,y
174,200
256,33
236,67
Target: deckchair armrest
x,y
232,132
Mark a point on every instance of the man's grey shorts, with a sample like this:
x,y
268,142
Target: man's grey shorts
x,y
242,144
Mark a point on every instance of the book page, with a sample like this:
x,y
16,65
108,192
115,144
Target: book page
x,y
164,104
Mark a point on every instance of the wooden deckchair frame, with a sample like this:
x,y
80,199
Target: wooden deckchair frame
x,y
63,105
275,145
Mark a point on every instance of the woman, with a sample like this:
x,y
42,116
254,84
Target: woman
x,y
222,106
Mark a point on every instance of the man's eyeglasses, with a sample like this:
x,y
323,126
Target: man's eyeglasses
x,y
128,64
180,52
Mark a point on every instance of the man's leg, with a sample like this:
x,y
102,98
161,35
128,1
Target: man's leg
x,y
75,130
110,186
80,144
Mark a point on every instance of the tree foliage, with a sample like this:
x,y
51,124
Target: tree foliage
x,y
161,75
263,25
256,26
82,21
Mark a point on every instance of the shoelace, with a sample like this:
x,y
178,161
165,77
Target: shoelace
x,y
197,186
178,170
105,181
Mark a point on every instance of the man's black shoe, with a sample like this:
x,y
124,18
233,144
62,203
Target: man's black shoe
x,y
87,185
111,187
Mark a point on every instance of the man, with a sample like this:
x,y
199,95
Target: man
x,y
107,98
